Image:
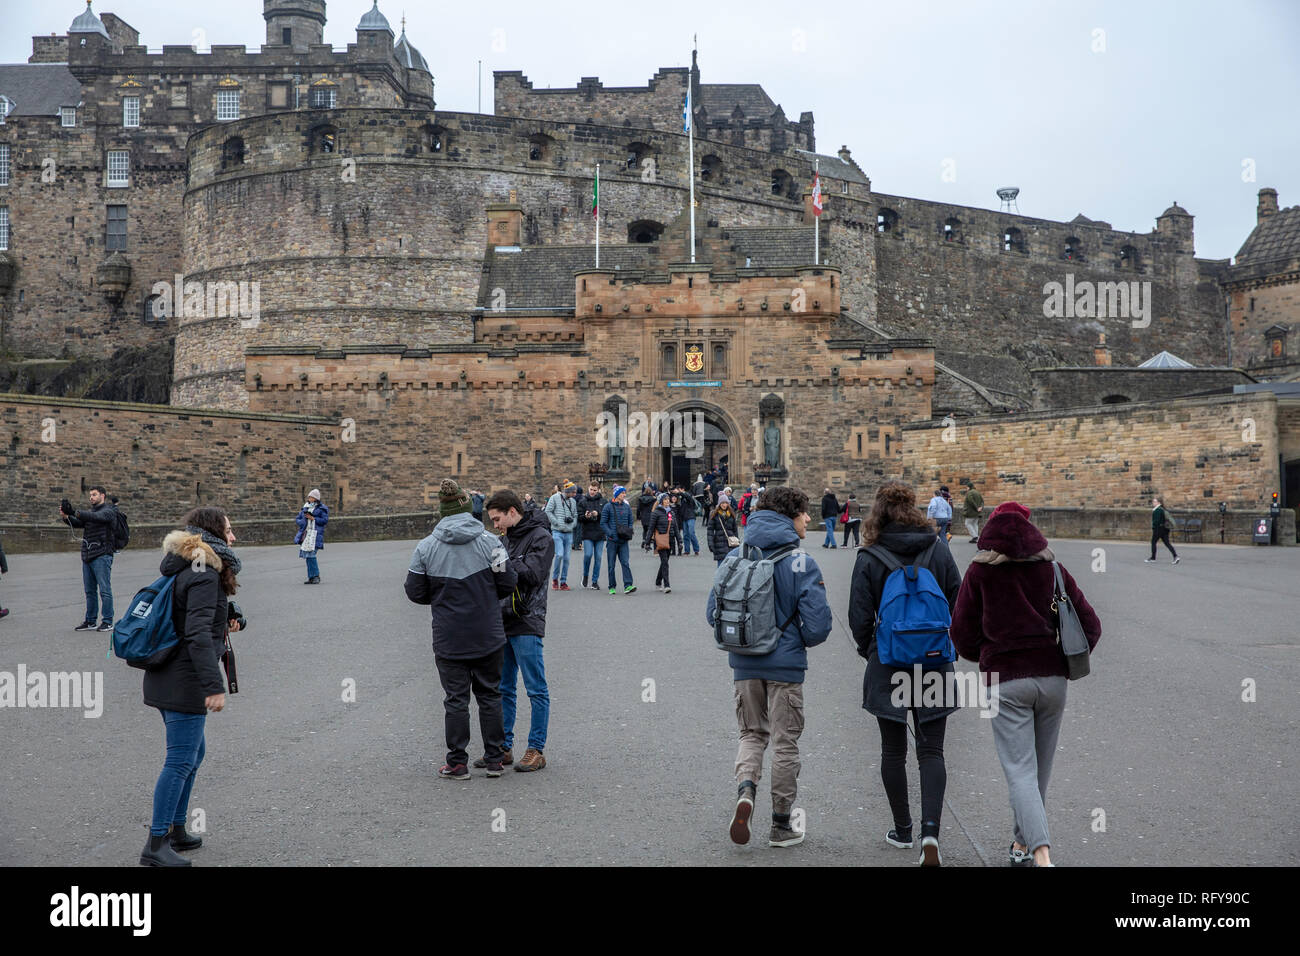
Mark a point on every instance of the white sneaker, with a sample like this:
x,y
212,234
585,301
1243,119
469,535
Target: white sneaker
x,y
1175,560
930,852
1148,560
667,590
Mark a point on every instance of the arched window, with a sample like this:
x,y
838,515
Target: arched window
x,y
540,148
952,229
1013,240
886,220
636,152
1115,400
668,361
439,140
1128,259
711,169
232,152
644,231
782,184
1073,249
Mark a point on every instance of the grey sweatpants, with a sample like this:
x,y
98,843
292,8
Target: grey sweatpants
x,y
1026,726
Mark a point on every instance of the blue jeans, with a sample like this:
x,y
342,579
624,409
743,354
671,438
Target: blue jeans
x,y
560,566
185,750
830,532
691,543
941,525
524,654
313,568
620,550
591,560
97,579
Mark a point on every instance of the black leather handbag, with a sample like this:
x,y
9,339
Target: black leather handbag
x,y
1069,630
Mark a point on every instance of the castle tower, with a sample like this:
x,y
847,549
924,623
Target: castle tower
x,y
297,23
1176,222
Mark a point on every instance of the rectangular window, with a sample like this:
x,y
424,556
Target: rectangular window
x,y
227,105
5,106
119,168
323,97
180,94
68,115
4,227
115,230
278,95
286,36
4,164
130,111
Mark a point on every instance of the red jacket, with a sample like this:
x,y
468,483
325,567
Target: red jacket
x,y
1003,618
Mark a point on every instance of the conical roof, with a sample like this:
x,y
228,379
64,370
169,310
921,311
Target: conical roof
x,y
408,55
374,20
1165,360
87,22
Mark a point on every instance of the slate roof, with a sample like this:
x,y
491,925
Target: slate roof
x,y
39,89
408,55
720,99
1175,210
87,22
374,21
772,247
541,277
832,167
1277,237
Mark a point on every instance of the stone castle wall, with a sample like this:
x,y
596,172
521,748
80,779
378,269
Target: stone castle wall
x,y
971,295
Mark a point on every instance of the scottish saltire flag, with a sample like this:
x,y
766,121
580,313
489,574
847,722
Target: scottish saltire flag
x,y
686,112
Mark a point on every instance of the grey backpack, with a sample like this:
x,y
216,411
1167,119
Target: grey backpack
x,y
744,602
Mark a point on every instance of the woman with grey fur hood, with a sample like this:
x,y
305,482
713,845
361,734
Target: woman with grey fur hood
x,y
189,683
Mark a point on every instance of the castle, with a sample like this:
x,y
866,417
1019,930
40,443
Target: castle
x,y
323,245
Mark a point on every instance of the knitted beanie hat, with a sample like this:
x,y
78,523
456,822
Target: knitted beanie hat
x,y
451,500
618,490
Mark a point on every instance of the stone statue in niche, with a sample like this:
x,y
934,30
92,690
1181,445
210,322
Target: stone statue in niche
x,y
772,445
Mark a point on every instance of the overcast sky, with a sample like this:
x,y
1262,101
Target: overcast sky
x,y
1112,108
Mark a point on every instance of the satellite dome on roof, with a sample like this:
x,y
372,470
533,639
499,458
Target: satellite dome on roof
x,y
1165,360
374,20
1175,210
408,55
87,22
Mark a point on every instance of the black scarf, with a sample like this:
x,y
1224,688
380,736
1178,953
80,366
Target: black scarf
x,y
223,550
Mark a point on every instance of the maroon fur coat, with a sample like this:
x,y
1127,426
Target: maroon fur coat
x,y
1004,618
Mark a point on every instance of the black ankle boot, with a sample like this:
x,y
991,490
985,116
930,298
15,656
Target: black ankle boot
x,y
158,852
181,839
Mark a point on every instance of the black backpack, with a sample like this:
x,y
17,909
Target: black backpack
x,y
120,532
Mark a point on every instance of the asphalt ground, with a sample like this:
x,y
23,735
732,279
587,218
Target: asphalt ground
x,y
1158,738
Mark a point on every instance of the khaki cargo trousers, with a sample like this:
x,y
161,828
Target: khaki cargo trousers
x,y
769,710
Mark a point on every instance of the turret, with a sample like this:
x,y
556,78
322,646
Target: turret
x,y
296,23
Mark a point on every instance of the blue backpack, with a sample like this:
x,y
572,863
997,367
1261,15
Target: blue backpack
x,y
146,636
913,618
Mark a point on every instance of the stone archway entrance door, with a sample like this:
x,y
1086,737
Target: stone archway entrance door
x,y
700,445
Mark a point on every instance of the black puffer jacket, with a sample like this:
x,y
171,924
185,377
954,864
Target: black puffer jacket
x,y
591,526
720,527
199,614
645,504
869,574
685,508
830,506
661,522
97,538
531,549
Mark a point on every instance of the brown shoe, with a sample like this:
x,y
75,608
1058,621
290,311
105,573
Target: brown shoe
x,y
506,758
532,760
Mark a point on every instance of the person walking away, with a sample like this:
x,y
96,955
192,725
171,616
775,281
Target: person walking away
x,y
590,508
461,573
687,506
645,504
1160,528
530,552
768,688
99,521
940,512
311,533
897,527
943,491
1005,620
852,519
972,509
723,535
188,685
661,529
830,514
562,514
476,500
616,522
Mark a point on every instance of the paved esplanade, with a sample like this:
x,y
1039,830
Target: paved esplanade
x,y
1158,737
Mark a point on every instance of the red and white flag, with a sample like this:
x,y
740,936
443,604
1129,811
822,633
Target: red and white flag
x,y
817,194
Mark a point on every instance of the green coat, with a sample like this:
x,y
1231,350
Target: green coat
x,y
972,505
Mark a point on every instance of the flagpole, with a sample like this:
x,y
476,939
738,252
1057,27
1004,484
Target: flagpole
x,y
595,207
817,220
690,113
